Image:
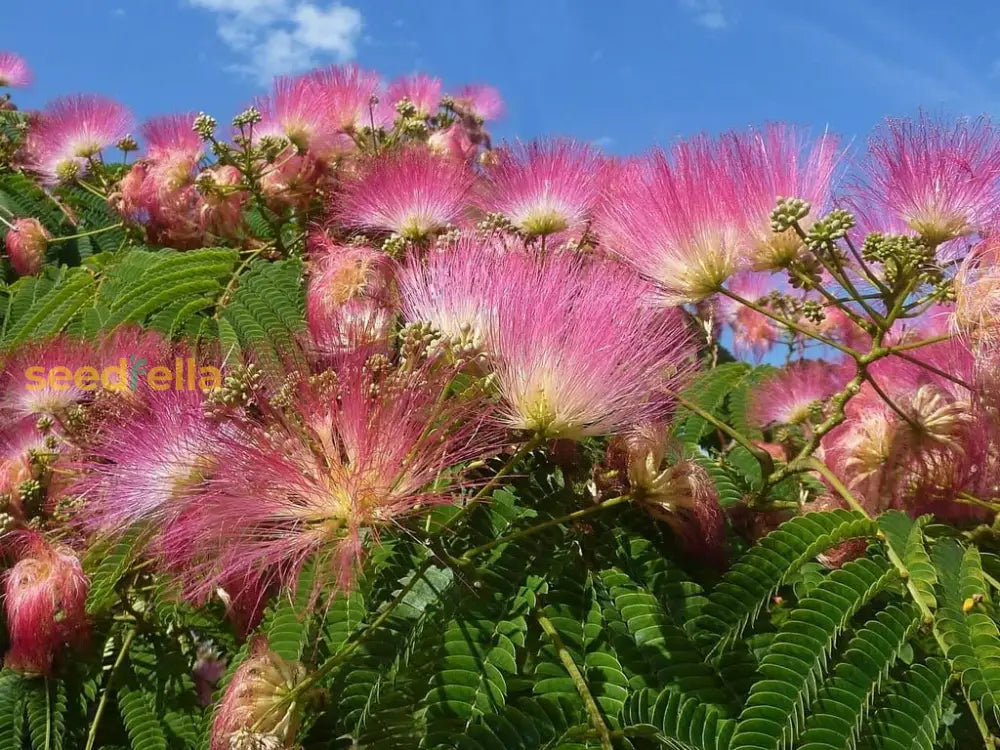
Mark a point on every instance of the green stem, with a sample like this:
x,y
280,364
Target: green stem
x,y
345,653
92,232
538,528
472,502
102,704
790,323
762,456
48,715
896,349
593,711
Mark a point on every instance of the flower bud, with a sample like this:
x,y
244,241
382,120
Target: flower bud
x,y
252,714
27,242
45,597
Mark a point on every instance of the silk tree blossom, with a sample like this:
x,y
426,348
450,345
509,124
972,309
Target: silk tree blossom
x,y
14,71
45,597
672,488
480,101
251,715
147,464
27,388
412,193
777,161
19,442
299,110
70,131
27,240
544,187
977,294
673,219
173,151
796,393
422,91
455,289
352,95
578,351
349,454
940,179
883,451
351,301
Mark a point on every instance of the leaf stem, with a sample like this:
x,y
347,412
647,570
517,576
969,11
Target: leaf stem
x,y
102,704
593,710
90,233
762,456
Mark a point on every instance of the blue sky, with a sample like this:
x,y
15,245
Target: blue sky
x,y
626,75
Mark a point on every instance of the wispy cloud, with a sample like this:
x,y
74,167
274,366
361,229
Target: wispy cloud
x,y
891,57
711,14
270,37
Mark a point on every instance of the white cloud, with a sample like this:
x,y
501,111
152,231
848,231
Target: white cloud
x,y
284,36
710,14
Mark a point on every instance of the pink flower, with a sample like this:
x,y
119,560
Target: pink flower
x,y
300,110
350,299
222,209
351,453
174,151
455,289
941,180
411,192
977,294
72,130
422,91
453,141
45,602
39,379
566,367
777,162
146,464
17,442
27,242
14,71
790,395
544,187
352,95
251,714
481,101
675,220
292,181
753,333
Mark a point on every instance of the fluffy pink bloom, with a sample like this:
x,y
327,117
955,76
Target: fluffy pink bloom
x,y
300,110
350,299
789,395
17,442
565,367
411,192
544,187
940,179
145,465
453,141
292,181
778,161
454,289
753,333
977,294
39,378
674,220
672,488
45,602
481,101
27,242
222,206
353,453
173,150
71,130
883,455
250,714
422,91
14,71
352,94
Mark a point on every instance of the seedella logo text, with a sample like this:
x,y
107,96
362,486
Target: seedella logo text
x,y
128,374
